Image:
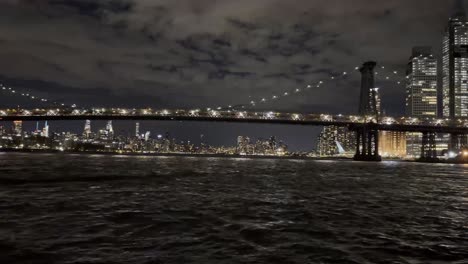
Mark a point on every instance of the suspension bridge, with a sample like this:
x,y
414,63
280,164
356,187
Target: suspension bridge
x,y
367,123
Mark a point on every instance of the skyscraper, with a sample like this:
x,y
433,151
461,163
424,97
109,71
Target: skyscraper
x,y
45,130
109,127
421,93
421,84
87,129
455,65
137,130
18,127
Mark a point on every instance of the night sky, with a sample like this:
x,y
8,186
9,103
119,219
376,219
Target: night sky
x,y
208,53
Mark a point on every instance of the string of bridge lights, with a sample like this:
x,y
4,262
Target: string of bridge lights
x,y
30,96
389,76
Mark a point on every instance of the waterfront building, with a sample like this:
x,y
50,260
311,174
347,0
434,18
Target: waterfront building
x,y
243,143
335,141
392,144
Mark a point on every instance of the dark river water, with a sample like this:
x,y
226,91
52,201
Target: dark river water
x,y
104,209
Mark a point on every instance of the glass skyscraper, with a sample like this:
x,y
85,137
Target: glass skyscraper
x,y
455,65
421,84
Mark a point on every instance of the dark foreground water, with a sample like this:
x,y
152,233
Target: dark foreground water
x,y
103,209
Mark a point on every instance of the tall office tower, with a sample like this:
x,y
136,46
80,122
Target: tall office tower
x,y
455,65
87,129
421,93
137,130
421,84
18,127
45,130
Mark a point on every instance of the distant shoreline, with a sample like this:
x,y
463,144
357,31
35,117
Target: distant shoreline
x,y
41,151
46,151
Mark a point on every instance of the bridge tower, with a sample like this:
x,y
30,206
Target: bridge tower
x,y
368,105
367,135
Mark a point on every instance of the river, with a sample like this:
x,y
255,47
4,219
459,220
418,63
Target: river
x,y
114,209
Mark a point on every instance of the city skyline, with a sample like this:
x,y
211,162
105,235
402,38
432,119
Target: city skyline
x,y
385,102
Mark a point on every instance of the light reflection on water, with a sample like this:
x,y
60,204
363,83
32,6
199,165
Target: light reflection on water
x,y
141,209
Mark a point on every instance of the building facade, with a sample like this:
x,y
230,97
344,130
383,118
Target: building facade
x,y
421,93
421,84
335,141
455,66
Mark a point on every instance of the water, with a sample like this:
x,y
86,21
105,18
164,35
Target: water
x,y
104,209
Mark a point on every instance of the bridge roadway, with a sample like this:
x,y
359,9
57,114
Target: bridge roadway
x,y
401,124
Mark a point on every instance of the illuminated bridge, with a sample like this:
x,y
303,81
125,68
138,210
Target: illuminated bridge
x,y
366,125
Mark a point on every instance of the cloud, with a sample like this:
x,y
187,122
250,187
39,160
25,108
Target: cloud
x,y
212,52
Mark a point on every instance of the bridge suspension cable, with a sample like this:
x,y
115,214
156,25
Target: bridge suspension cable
x,y
28,95
391,76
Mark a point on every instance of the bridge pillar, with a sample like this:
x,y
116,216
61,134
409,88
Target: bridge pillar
x,y
367,144
429,147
